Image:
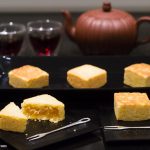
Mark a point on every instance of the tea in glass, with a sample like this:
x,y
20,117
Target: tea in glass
x,y
11,38
44,36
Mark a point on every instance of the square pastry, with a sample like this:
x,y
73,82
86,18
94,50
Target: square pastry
x,y
28,77
137,75
87,76
132,106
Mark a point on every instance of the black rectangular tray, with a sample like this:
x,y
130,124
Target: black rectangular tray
x,y
57,67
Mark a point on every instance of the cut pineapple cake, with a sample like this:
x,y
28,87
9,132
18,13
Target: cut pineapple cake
x,y
43,107
12,118
131,106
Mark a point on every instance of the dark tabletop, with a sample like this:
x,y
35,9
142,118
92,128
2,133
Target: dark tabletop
x,y
69,48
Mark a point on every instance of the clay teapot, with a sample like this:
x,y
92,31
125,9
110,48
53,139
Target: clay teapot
x,y
105,31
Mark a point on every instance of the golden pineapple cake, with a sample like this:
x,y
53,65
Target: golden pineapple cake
x,y
87,76
132,106
137,75
43,107
28,76
12,118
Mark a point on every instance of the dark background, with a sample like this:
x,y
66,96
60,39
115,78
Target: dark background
x,y
67,47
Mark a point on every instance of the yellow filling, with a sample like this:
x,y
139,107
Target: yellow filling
x,y
42,113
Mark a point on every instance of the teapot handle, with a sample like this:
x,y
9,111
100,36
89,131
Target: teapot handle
x,y
139,22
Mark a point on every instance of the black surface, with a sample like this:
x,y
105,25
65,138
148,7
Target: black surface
x,y
108,119
19,141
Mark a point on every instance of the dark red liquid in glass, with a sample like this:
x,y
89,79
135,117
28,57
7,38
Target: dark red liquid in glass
x,y
11,47
44,45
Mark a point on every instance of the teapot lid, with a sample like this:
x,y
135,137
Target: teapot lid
x,y
106,6
106,12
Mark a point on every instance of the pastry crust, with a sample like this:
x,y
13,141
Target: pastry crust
x,y
137,75
132,106
87,76
12,118
28,77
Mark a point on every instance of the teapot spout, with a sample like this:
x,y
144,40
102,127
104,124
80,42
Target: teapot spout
x,y
68,24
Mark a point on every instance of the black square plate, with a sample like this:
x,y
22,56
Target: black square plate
x,y
19,141
129,135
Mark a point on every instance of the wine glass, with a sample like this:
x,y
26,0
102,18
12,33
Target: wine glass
x,y
44,36
11,38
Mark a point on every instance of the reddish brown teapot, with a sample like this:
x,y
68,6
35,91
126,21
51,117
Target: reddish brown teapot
x,y
105,31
